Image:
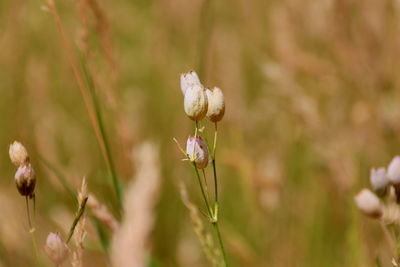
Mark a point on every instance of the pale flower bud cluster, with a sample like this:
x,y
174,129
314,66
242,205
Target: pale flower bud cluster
x,y
25,177
199,101
56,249
382,181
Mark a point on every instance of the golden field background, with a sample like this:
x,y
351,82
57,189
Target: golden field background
x,y
312,103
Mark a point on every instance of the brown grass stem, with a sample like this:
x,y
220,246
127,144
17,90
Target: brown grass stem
x,y
88,99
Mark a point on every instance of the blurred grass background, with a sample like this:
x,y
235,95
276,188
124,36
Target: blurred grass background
x,y
312,96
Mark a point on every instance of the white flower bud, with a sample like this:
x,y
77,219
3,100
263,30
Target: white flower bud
x,y
216,104
195,102
25,179
393,171
56,249
18,154
379,181
369,203
188,80
197,151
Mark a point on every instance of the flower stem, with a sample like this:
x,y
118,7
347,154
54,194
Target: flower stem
x,y
31,227
221,243
215,222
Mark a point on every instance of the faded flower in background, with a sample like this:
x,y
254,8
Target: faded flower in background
x,y
379,181
56,249
369,203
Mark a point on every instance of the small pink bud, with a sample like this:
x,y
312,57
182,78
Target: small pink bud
x,y
25,179
197,151
56,249
369,203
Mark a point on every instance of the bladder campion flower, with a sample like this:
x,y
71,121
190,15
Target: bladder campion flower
x,y
369,203
197,151
18,154
25,179
195,102
379,181
216,104
393,172
188,80
56,249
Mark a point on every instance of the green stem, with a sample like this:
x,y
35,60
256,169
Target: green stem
x,y
109,160
215,223
77,218
31,228
221,243
202,190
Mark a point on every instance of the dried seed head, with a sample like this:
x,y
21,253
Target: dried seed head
x,y
379,181
369,203
393,171
197,151
25,179
56,249
18,154
195,102
189,79
216,104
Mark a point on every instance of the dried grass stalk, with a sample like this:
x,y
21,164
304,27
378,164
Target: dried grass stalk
x,y
206,240
101,212
130,242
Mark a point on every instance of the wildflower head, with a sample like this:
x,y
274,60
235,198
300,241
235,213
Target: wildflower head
x,y
369,203
393,171
195,102
197,151
189,79
216,104
25,179
18,154
56,249
379,181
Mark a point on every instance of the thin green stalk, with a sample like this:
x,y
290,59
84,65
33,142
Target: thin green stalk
x,y
31,227
221,244
215,222
77,218
109,160
202,190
